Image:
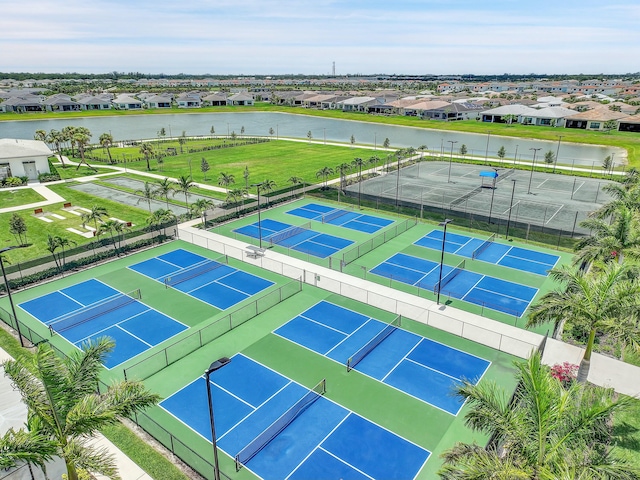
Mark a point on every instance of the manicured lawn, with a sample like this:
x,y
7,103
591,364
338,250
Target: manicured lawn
x,y
38,230
274,160
625,421
83,171
12,198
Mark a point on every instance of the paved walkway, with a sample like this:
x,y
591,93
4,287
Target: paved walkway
x,y
13,414
50,198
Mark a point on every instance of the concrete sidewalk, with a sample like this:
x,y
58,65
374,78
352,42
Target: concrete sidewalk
x,y
50,198
13,414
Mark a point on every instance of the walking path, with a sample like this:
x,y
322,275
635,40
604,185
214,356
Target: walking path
x,y
13,414
51,197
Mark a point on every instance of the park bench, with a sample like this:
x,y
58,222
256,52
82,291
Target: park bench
x,y
255,252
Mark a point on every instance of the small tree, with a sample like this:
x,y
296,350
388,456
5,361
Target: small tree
x,y
245,175
309,136
607,163
213,130
463,150
234,136
386,143
18,228
549,157
610,125
242,130
502,153
271,131
204,168
353,141
182,140
226,179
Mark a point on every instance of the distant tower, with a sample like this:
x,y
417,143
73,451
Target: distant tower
x,y
333,70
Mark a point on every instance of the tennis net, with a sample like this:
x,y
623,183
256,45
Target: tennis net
x,y
332,215
373,343
95,310
273,430
448,277
482,247
280,237
194,270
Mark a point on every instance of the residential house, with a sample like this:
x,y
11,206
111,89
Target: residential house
x,y
126,102
358,104
22,104
189,100
91,102
240,99
214,100
497,115
596,119
23,158
630,124
159,101
548,117
61,102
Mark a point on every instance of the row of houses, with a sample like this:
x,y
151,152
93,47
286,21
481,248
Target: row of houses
x,y
60,102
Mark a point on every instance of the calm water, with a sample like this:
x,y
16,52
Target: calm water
x,y
289,125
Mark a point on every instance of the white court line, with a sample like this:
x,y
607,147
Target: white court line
x,y
557,211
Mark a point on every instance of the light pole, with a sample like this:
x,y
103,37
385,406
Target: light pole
x,y
212,368
515,157
452,142
486,153
444,224
398,183
375,141
513,190
6,284
557,152
533,163
324,134
258,185
493,192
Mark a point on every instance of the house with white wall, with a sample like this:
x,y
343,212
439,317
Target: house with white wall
x,y
23,158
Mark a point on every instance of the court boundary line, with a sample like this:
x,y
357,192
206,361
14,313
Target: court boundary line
x,y
349,412
381,381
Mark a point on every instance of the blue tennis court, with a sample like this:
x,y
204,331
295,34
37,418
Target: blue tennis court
x,y
92,309
316,439
343,218
297,238
500,295
213,282
415,365
497,253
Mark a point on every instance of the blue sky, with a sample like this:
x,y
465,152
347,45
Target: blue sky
x,y
286,36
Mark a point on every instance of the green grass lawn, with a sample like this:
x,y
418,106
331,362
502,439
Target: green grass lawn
x,y
38,230
71,172
629,421
274,160
12,198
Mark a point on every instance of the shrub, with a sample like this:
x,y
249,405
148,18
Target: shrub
x,y
48,177
14,181
565,372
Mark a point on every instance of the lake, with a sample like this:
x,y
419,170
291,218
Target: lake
x,y
137,127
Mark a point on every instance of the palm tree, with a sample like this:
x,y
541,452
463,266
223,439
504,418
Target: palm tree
x,y
146,149
359,163
160,217
245,175
163,188
342,169
324,172
226,179
295,181
589,300
67,135
182,139
235,196
22,446
52,246
200,207
267,186
81,137
56,138
40,135
147,193
609,241
115,230
373,160
64,407
183,185
63,243
422,148
95,215
106,140
547,432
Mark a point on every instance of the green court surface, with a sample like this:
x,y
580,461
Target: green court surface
x,y
369,250
421,423
427,426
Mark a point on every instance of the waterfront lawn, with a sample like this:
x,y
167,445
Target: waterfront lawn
x,y
276,160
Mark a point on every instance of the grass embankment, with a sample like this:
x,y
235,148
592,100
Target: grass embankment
x,y
143,454
626,140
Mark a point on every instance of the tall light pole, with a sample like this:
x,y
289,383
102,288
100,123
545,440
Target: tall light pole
x,y
375,141
398,182
452,142
444,224
557,152
515,157
486,153
207,373
513,190
324,134
258,185
6,284
533,163
493,192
